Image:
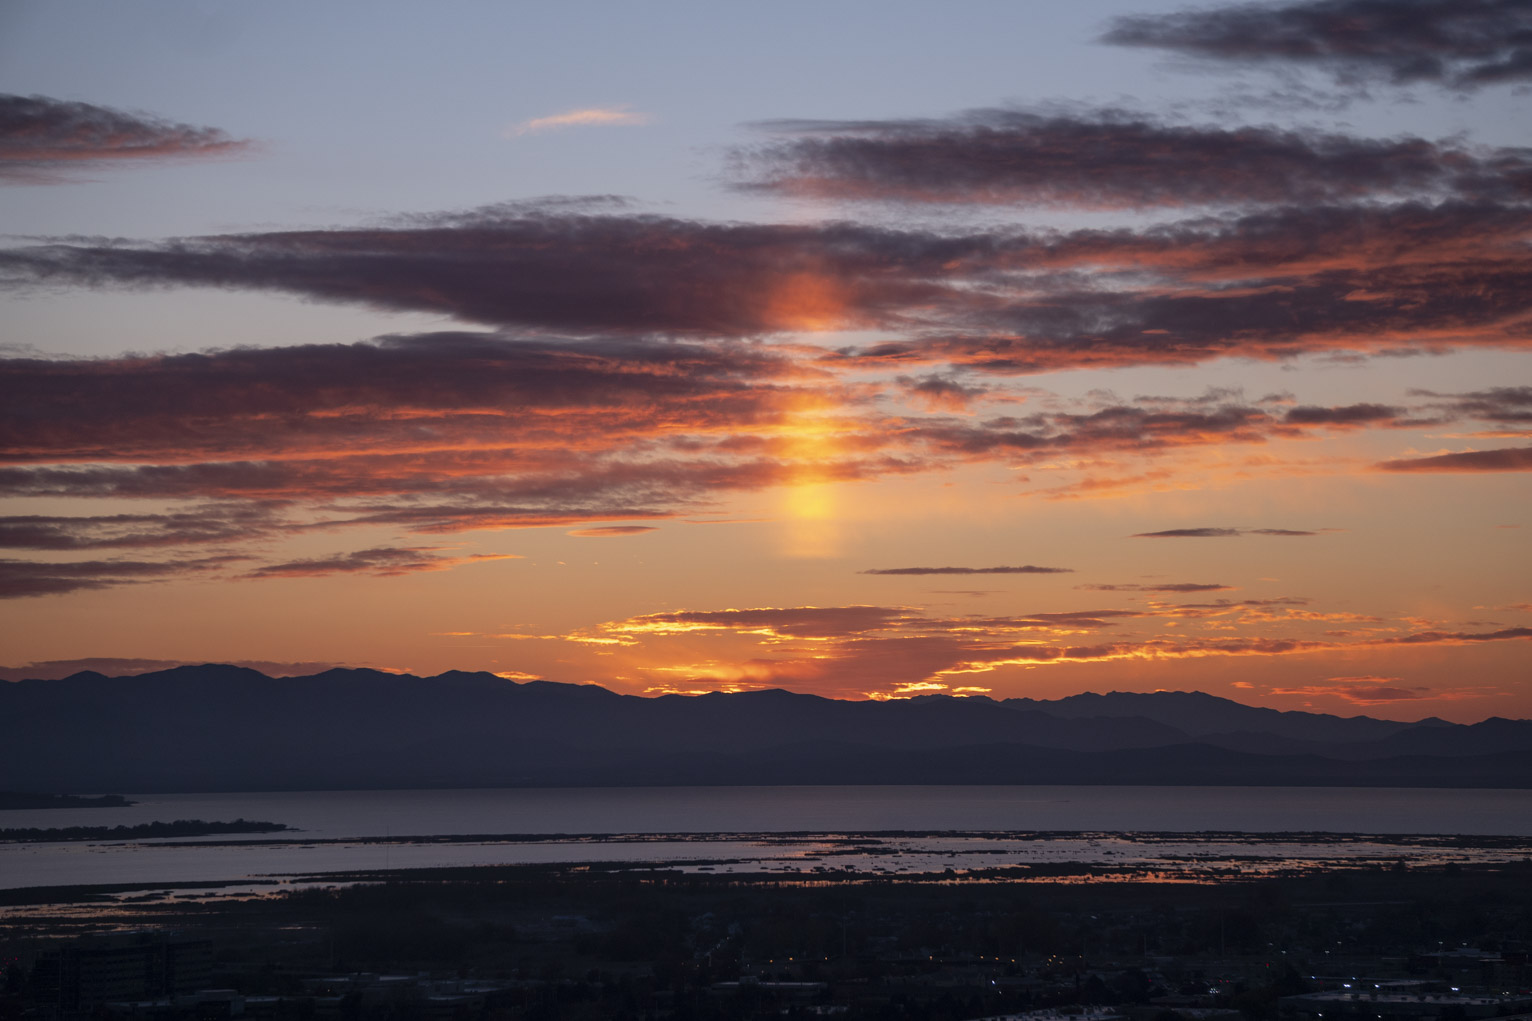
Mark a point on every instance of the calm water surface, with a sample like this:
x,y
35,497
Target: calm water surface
x,y
323,814
352,815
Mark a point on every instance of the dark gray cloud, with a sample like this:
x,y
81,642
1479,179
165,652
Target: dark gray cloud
x,y
43,140
1119,427
1410,276
554,270
612,531
395,393
1510,405
1504,459
383,561
1457,637
1105,159
1218,533
1402,278
1348,415
940,392
1460,44
205,524
21,578
1190,533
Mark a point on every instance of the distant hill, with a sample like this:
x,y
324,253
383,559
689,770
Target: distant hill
x,y
21,800
225,728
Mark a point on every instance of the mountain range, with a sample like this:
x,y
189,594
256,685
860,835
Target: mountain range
x,y
226,728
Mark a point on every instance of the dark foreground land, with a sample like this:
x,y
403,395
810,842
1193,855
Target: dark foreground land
x,y
611,942
147,830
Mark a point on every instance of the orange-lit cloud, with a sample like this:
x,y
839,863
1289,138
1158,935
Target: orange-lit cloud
x,y
451,432
870,651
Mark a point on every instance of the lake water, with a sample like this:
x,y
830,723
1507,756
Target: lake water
x,y
347,818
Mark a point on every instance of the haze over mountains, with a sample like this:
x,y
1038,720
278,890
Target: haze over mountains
x,y
225,728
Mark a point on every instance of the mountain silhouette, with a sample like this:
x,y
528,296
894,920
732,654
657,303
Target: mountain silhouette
x,y
226,728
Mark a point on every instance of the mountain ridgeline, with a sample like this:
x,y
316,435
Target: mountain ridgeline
x,y
225,728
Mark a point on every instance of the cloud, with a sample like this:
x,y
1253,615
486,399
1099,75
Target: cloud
x,y
429,391
1505,459
1457,637
453,431
1349,415
588,117
1372,278
43,140
1113,427
1024,569
611,531
382,561
444,433
1501,404
1387,278
210,523
971,592
1217,533
939,393
1101,159
551,269
862,650
1459,44
1179,586
23,578
793,622
1349,689
1190,533
1370,690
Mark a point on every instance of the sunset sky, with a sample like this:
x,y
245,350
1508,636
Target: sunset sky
x,y
863,349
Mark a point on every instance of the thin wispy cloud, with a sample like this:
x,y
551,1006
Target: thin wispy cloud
x,y
1217,533
610,531
588,117
1022,569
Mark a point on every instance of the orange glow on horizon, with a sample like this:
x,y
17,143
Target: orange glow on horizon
x,y
812,438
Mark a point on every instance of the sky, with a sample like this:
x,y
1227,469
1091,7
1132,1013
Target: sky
x,y
863,349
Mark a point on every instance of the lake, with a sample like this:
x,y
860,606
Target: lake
x,y
350,817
